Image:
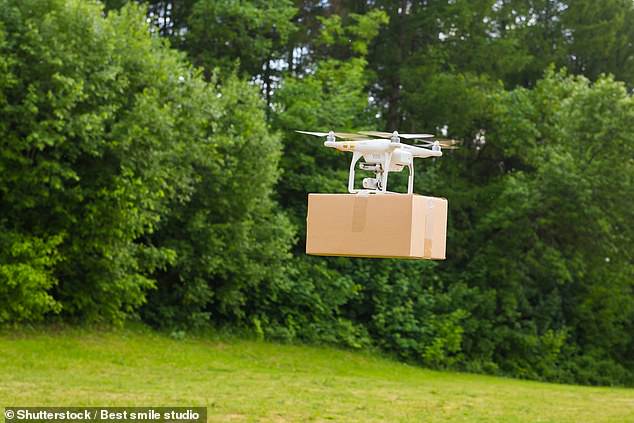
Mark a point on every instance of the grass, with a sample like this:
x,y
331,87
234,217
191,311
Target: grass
x,y
244,380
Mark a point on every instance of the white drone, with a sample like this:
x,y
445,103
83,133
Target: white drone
x,y
382,155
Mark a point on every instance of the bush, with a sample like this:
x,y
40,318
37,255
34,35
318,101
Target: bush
x,y
109,136
25,276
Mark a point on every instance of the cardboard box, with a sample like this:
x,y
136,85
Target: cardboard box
x,y
376,225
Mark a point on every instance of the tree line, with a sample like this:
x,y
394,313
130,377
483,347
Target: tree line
x,y
149,170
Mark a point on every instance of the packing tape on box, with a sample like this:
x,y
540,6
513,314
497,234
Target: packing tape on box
x,y
429,227
427,248
359,213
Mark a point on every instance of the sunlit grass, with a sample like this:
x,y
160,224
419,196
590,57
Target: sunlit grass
x,y
244,380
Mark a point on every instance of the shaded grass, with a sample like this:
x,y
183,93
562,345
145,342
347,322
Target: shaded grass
x,y
247,380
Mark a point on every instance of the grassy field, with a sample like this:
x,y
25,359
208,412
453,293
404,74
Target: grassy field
x,y
241,380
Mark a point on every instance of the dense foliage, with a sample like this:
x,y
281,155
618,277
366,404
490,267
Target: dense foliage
x,y
135,184
122,170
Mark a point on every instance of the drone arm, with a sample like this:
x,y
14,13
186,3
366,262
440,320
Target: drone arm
x,y
421,152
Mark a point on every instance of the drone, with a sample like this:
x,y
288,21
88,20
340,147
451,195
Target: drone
x,y
382,154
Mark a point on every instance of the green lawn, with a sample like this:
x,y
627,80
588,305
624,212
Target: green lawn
x,y
241,380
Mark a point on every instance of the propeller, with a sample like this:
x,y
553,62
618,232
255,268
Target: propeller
x,y
389,135
445,143
342,135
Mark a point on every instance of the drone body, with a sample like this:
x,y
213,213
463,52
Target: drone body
x,y
382,155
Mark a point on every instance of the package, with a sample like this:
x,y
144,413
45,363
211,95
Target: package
x,y
376,225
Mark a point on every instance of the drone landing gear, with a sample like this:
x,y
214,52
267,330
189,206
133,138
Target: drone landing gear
x,y
377,185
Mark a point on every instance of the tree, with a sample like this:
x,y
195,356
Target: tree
x,y
601,38
229,237
250,35
538,232
86,164
105,133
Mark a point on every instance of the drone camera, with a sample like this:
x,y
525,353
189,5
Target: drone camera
x,y
370,183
